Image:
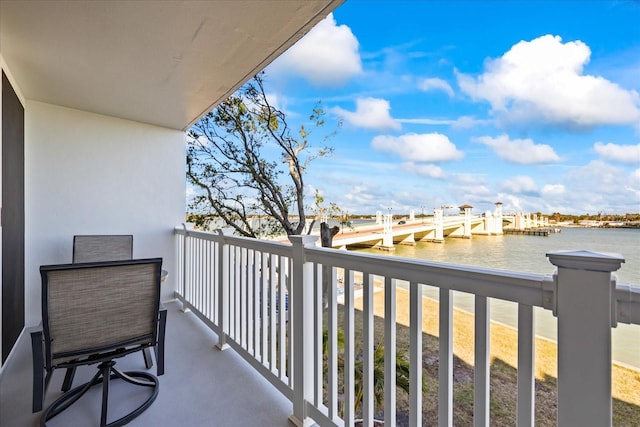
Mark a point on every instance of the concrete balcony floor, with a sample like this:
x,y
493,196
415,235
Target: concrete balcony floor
x,y
202,386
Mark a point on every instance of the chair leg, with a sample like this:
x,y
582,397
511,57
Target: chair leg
x,y
148,361
162,327
38,371
106,372
106,379
68,379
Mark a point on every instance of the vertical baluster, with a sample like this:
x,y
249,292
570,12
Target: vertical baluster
x,y
193,279
192,268
264,315
288,325
243,297
368,409
215,279
526,366
273,282
415,356
445,364
481,363
389,351
249,304
282,316
349,349
257,266
201,276
318,315
232,291
200,280
332,338
237,286
206,266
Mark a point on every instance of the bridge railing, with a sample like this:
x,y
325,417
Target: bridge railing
x,y
277,305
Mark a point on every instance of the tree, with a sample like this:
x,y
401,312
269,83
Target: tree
x,y
247,166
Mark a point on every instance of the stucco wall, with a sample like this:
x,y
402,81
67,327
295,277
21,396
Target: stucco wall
x,y
92,174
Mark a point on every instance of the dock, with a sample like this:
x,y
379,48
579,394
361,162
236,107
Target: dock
x,y
542,232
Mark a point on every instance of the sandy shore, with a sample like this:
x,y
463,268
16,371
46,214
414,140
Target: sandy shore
x,y
626,382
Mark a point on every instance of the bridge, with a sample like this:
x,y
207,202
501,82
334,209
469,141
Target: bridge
x,y
384,234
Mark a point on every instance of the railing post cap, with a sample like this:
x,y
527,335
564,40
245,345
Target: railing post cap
x,y
586,260
304,240
225,231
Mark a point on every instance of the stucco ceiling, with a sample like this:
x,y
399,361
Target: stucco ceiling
x,y
160,62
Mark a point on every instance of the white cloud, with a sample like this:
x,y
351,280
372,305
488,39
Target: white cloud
x,y
435,84
553,190
428,170
371,113
427,121
463,122
618,153
326,56
520,151
521,184
541,80
427,147
466,122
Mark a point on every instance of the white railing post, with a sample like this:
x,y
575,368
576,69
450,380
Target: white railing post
x,y
584,309
302,324
222,262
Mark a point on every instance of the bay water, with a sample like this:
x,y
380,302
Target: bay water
x,y
528,254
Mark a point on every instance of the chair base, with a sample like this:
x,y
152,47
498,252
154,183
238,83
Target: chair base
x,y
106,372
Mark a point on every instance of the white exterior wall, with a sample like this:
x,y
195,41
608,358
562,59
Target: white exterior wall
x,y
92,174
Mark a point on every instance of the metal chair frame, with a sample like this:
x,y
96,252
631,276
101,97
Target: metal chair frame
x,y
113,344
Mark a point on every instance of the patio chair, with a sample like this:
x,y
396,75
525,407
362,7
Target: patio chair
x,y
96,248
94,313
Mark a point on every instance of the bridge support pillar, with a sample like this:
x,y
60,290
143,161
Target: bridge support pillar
x,y
387,239
410,240
439,226
498,219
378,217
467,223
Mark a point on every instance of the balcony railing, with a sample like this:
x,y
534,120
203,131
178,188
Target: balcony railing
x,y
265,300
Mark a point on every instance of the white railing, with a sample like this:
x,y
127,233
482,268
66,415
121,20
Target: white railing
x,y
238,286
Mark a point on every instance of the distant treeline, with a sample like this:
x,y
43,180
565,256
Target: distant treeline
x,y
629,219
602,217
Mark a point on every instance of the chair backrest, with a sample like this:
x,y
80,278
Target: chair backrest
x,y
94,248
97,307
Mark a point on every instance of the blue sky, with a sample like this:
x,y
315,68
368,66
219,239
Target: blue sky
x,y
533,104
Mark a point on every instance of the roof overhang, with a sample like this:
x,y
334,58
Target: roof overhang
x,y
160,62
